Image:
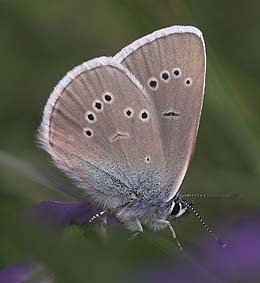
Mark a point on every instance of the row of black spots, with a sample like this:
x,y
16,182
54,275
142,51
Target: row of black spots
x,y
91,118
165,76
98,106
107,97
143,114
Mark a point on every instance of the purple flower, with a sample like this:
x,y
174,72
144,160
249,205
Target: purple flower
x,y
19,273
211,263
207,263
241,258
57,215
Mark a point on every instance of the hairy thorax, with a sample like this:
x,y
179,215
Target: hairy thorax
x,y
145,211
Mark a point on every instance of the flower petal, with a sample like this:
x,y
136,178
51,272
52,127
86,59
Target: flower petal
x,y
58,215
18,273
239,260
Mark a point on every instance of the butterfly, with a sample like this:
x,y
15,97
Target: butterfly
x,y
124,127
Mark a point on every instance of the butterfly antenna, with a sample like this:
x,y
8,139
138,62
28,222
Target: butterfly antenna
x,y
214,196
219,241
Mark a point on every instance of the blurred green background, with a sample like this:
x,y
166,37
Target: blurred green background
x,y
41,40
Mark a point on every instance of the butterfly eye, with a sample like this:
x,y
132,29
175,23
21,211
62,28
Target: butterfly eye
x,y
108,97
90,117
129,112
87,132
153,83
176,72
144,115
165,76
176,209
98,105
188,82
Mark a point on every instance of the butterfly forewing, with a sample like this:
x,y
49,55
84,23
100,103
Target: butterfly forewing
x,y
170,63
101,128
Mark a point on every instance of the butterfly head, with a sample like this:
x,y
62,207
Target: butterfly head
x,y
179,208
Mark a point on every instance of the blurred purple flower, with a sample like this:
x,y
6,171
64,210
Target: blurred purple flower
x,y
58,215
211,263
208,263
19,273
241,258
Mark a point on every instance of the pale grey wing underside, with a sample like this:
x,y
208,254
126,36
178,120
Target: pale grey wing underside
x,y
171,63
101,129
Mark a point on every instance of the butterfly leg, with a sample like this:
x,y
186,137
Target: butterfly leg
x,y
99,216
135,226
163,223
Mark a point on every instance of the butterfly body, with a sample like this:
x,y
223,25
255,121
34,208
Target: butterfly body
x,y
124,127
154,214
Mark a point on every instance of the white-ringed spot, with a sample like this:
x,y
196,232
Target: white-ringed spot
x,y
97,105
188,82
90,117
87,132
129,112
153,83
70,138
108,97
144,115
176,73
165,76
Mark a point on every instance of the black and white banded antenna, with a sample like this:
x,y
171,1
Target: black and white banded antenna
x,y
214,196
213,234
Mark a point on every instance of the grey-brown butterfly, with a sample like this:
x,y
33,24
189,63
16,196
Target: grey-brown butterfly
x,y
124,127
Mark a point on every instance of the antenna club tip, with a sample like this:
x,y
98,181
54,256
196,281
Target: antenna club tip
x,y
222,244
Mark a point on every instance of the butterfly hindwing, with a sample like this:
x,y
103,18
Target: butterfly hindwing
x,y
170,63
